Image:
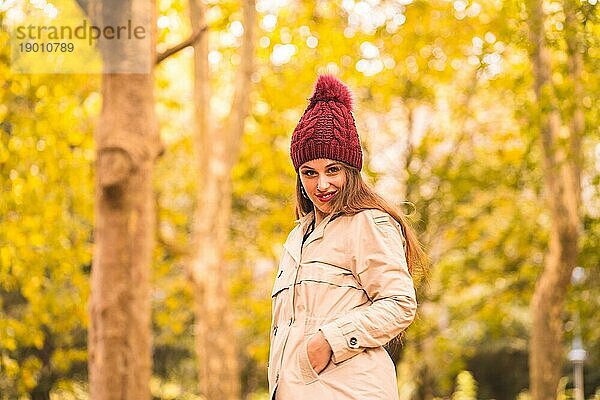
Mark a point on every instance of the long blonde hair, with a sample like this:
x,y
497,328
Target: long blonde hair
x,y
356,196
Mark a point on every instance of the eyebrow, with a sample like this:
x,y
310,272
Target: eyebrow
x,y
327,166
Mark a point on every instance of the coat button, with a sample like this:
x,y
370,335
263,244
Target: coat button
x,y
275,331
353,342
280,272
290,324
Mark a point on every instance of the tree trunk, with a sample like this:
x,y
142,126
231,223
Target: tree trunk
x,y
562,198
120,351
41,395
217,151
575,51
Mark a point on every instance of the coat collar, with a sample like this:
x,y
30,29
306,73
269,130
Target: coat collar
x,y
294,244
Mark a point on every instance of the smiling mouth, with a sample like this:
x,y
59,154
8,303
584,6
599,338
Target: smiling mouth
x,y
326,197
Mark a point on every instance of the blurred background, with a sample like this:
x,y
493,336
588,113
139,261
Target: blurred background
x,y
477,118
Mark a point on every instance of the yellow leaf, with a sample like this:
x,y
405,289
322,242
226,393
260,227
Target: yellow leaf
x,y
4,257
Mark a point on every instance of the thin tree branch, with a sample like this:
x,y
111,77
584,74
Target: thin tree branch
x,y
83,4
194,37
176,249
91,9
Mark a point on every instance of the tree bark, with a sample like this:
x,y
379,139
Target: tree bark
x,y
217,151
127,140
575,51
561,174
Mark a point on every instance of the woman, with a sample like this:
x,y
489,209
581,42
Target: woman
x,y
344,287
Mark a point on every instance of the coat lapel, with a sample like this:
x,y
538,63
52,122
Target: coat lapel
x,y
294,243
320,229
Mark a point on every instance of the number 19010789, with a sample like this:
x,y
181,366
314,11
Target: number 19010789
x,y
46,47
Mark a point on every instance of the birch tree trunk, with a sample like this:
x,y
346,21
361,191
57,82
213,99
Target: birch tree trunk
x,y
561,180
120,344
217,150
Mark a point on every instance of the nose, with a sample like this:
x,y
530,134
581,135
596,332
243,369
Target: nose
x,y
323,183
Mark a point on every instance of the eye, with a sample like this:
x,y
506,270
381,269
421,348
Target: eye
x,y
308,172
334,169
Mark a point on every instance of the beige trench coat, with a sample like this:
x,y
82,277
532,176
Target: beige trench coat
x,y
351,281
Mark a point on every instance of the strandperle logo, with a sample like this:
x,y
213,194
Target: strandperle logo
x,y
114,39
84,31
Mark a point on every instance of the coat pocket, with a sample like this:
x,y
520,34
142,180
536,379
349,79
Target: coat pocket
x,y
307,372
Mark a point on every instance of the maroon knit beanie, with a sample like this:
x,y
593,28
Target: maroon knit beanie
x,y
327,128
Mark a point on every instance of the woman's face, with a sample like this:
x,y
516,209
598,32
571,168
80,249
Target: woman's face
x,y
322,179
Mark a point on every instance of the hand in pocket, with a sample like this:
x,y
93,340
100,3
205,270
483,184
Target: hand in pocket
x,y
319,352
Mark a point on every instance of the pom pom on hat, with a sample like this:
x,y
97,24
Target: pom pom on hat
x,y
327,128
328,87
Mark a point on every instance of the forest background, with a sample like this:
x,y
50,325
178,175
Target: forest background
x,y
451,108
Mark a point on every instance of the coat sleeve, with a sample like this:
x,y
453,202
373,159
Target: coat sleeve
x,y
377,260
